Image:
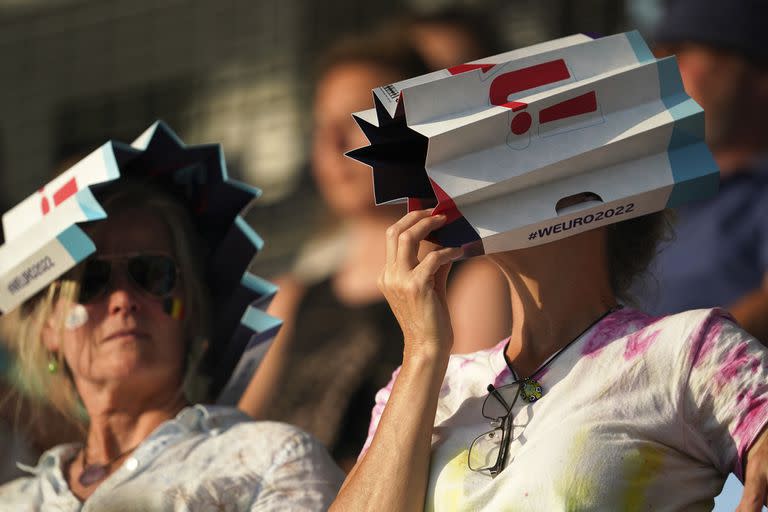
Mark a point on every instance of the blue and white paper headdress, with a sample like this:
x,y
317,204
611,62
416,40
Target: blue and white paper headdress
x,y
44,237
540,143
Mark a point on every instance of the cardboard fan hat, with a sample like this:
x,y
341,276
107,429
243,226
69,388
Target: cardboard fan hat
x,y
44,236
540,143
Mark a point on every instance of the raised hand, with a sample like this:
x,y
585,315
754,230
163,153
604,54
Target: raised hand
x,y
414,287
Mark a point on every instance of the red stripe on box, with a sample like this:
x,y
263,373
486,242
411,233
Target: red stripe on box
x,y
527,78
414,203
445,205
577,106
515,105
44,206
463,68
67,190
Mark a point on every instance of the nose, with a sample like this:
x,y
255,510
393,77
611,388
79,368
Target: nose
x,y
121,295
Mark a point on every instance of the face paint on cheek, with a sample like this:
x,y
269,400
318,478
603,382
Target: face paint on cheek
x,y
174,306
76,318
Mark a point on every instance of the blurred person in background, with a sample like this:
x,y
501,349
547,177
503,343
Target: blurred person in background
x,y
719,256
450,37
340,342
115,344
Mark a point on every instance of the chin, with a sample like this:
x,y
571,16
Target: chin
x,y
352,204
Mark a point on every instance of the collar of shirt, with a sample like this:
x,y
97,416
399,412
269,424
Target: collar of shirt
x,y
194,419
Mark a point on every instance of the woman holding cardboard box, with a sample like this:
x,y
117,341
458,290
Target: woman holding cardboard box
x,y
588,405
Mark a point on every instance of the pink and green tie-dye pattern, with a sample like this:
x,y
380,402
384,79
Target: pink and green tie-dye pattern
x,y
641,413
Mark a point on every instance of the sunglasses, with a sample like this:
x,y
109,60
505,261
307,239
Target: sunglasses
x,y
154,274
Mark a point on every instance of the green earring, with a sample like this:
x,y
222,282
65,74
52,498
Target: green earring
x,y
53,365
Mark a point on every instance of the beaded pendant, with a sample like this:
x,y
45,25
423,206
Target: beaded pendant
x,y
530,390
93,473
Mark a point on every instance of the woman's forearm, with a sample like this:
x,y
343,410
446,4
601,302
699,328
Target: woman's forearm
x,y
394,472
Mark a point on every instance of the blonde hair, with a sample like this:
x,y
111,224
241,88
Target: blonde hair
x,y
23,327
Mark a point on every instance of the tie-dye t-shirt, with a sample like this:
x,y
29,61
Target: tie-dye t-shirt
x,y
640,413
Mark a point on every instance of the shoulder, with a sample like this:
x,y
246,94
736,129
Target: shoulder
x,y
475,268
483,360
28,491
264,443
668,339
291,291
231,422
689,338
689,328
696,326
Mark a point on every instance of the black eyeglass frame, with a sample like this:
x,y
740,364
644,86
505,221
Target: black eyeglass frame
x,y
505,427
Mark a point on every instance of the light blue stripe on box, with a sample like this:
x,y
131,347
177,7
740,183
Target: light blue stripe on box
x,y
694,170
642,52
258,321
249,232
110,162
77,243
89,205
258,285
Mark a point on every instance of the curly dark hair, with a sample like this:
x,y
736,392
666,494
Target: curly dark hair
x,y
632,245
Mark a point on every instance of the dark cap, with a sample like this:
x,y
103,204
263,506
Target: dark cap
x,y
740,26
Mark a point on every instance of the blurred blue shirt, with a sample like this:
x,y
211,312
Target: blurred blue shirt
x,y
720,249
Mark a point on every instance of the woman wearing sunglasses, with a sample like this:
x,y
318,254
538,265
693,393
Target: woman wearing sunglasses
x,y
116,342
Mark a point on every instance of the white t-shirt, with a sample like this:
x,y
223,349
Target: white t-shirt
x,y
638,414
207,458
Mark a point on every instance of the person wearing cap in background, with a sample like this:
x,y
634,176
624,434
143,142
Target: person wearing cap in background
x,y
719,255
125,272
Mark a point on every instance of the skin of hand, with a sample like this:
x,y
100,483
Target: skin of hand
x,y
416,290
755,493
396,479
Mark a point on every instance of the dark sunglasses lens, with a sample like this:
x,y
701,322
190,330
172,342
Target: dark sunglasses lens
x,y
155,274
94,280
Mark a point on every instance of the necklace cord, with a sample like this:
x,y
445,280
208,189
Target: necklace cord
x,y
551,358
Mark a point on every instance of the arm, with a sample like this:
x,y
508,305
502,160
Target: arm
x,y
725,402
393,473
755,493
262,388
751,311
479,302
